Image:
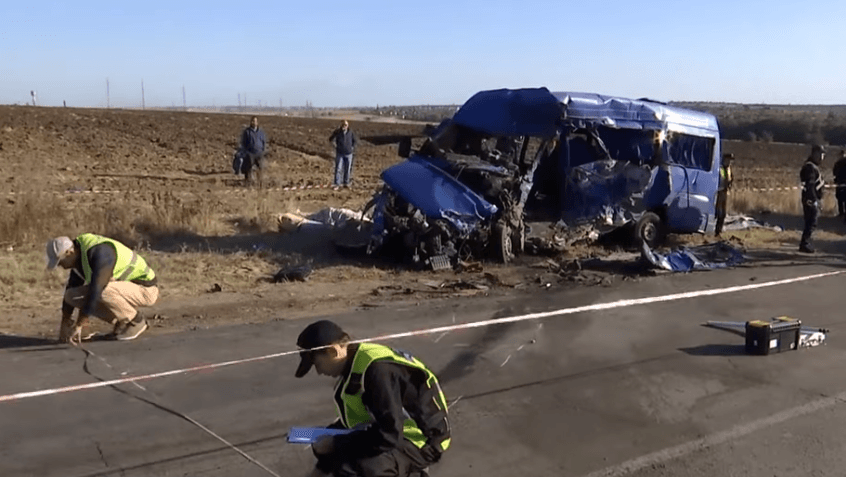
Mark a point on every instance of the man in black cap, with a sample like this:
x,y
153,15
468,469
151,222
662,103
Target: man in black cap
x,y
390,400
812,192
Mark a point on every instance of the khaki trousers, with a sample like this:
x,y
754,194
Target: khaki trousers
x,y
119,301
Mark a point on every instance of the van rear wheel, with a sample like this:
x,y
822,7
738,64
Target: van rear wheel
x,y
649,230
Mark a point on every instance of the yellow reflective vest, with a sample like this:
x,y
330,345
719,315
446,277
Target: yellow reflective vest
x,y
354,411
129,266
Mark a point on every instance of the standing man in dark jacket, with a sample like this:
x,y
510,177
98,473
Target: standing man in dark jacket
x,y
812,192
390,400
253,144
345,142
840,182
108,280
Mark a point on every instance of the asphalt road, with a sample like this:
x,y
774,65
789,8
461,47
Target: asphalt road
x,y
638,390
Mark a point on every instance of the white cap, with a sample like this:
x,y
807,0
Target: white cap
x,y
56,249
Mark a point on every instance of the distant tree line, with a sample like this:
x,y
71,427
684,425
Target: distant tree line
x,y
428,113
793,124
802,124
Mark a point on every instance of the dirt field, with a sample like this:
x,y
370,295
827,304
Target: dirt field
x,y
161,181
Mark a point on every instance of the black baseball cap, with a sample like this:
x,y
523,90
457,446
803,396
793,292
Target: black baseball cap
x,y
318,334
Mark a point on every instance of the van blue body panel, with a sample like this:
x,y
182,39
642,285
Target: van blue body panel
x,y
684,184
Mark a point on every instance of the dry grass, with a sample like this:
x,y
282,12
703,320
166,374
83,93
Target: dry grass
x,y
782,202
33,217
24,282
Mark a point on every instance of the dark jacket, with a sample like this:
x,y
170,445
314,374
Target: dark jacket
x,y
812,183
345,142
102,259
840,171
253,141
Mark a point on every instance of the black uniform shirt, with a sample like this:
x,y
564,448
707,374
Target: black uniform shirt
x,y
392,392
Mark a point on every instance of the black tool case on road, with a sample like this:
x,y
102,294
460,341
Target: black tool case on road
x,y
765,337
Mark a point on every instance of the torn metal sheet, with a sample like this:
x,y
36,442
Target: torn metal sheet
x,y
608,192
703,257
437,194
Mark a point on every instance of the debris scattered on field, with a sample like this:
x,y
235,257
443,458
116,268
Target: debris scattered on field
x,y
469,267
215,288
326,218
743,222
295,273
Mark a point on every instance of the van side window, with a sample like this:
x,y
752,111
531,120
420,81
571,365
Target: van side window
x,y
630,145
691,151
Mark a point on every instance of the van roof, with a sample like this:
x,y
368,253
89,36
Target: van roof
x,y
538,112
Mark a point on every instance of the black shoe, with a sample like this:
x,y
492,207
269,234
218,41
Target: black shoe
x,y
806,249
132,330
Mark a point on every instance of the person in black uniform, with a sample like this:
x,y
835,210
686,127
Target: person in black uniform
x,y
839,171
389,399
812,192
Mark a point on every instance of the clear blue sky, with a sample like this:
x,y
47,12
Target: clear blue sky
x,y
367,52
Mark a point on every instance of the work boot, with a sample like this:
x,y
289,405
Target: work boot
x,y
129,330
806,249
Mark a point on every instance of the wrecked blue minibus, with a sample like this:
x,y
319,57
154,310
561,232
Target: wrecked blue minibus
x,y
590,164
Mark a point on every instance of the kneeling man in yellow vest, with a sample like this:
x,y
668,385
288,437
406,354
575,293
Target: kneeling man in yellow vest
x,y
391,400
108,280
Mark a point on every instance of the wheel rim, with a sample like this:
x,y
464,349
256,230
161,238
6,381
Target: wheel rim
x,y
649,233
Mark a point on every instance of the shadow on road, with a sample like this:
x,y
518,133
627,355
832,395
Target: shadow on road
x,y
715,350
15,341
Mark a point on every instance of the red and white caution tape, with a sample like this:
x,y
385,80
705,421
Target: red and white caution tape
x,y
440,329
189,192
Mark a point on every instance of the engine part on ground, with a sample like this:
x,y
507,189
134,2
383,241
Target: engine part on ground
x,y
298,273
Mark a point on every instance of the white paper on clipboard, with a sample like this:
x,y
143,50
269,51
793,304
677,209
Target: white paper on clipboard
x,y
309,435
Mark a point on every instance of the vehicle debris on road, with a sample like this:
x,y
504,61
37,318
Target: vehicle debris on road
x,y
781,333
703,257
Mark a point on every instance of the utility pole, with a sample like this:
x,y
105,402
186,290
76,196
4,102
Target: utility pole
x,y
142,95
184,103
239,100
107,94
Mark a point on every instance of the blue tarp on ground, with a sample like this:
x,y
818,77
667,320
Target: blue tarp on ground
x,y
703,257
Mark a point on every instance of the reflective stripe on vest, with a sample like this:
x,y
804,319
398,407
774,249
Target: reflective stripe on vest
x,y
129,265
354,412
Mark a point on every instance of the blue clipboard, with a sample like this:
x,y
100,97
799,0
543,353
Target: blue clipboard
x,y
310,435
